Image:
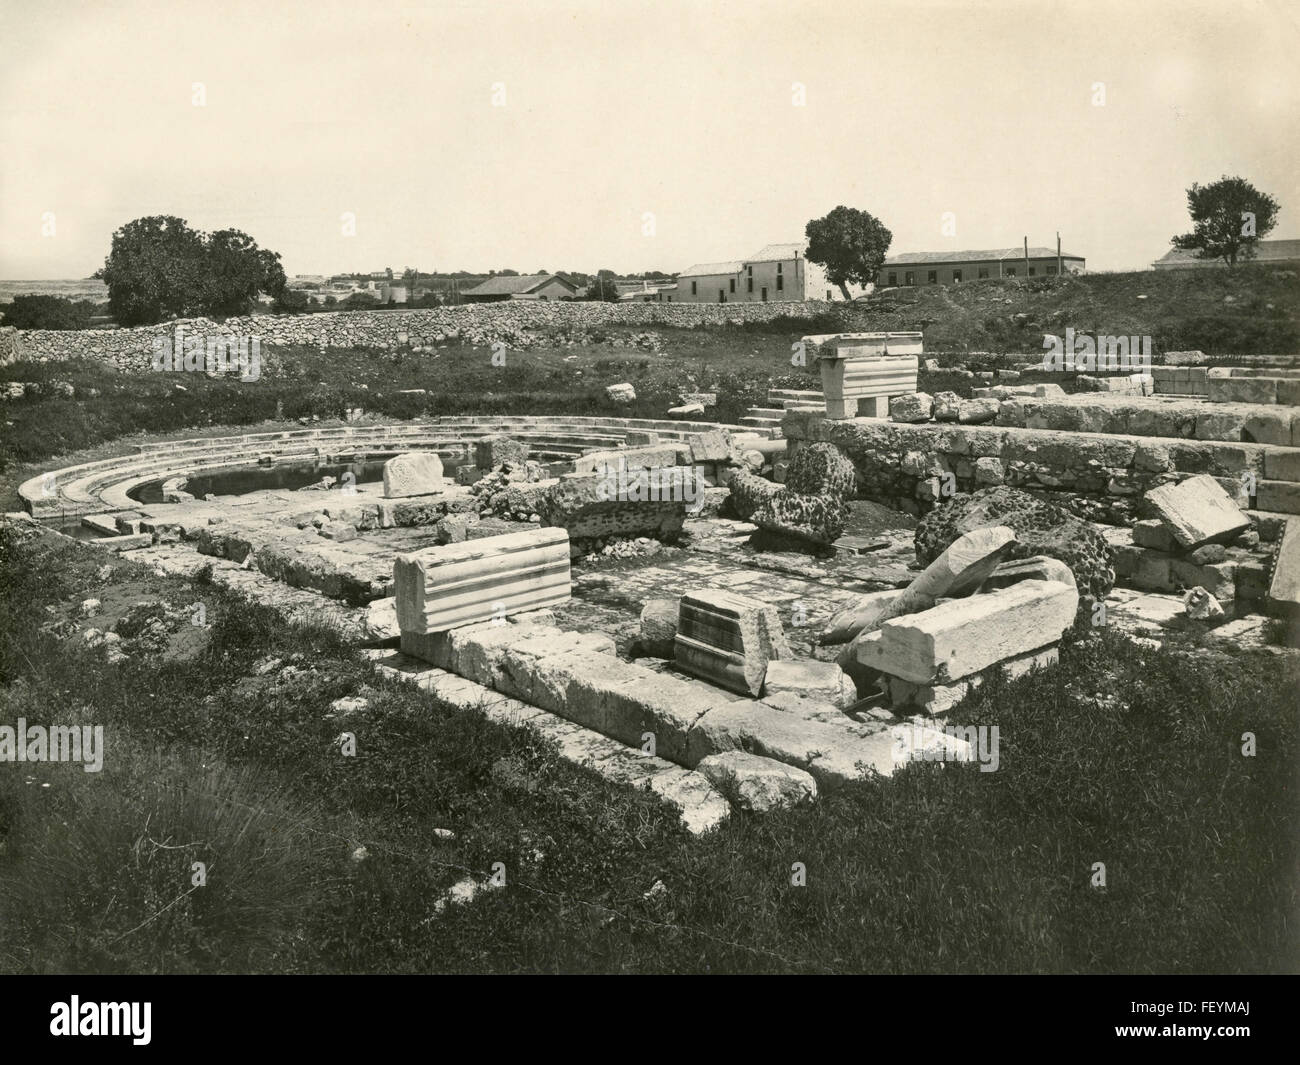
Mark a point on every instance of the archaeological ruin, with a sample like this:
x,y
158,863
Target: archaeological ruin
x,y
759,641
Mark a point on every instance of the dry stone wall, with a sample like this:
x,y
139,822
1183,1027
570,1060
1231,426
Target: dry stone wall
x,y
1100,477
516,323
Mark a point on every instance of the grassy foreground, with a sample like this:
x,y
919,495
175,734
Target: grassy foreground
x,y
1123,757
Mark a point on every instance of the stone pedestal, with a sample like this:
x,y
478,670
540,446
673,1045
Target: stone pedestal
x,y
861,372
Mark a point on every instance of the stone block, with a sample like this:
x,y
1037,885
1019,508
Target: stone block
x,y
1220,426
963,636
913,407
1197,511
1033,568
757,784
623,502
1269,426
659,627
947,406
1219,579
811,679
1284,589
454,528
1282,465
1243,389
713,446
491,451
1280,496
414,473
490,578
956,571
728,639
978,411
1152,532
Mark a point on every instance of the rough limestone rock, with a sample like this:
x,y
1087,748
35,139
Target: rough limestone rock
x,y
978,411
912,407
947,406
454,528
415,473
752,782
820,469
621,393
1041,528
812,679
643,503
750,493
1201,605
811,504
820,518
381,619
659,627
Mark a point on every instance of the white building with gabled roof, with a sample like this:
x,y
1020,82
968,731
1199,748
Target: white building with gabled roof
x,y
776,273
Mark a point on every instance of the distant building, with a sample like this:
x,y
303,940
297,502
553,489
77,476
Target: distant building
x,y
642,291
1267,253
773,274
956,267
522,287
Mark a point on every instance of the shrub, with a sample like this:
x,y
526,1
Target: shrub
x,y
48,312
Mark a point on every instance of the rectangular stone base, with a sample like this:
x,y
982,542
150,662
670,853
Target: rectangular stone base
x,y
937,699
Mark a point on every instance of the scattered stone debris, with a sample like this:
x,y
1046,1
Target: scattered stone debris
x,y
1201,605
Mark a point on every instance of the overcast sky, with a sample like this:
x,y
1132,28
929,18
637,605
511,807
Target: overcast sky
x,y
616,109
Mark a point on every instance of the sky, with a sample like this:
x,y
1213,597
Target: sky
x,y
576,135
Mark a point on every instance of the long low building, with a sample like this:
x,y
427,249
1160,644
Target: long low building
x,y
1267,253
956,267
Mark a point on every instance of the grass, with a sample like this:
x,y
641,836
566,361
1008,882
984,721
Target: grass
x,y
1118,756
1249,310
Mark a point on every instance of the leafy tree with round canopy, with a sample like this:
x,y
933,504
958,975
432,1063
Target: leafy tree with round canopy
x,y
851,245
159,268
1229,216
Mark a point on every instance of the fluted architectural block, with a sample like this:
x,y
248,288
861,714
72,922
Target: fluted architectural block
x,y
728,639
480,580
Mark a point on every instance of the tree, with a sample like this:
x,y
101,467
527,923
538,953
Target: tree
x,y
235,271
158,268
850,244
47,312
154,270
292,301
603,288
1229,216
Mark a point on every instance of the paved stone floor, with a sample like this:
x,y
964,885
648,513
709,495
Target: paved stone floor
x,y
806,587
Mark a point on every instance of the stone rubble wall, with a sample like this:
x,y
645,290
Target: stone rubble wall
x,y
514,323
1099,476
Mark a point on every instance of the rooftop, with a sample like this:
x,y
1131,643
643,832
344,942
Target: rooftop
x,y
777,253
928,257
701,269
1265,251
504,285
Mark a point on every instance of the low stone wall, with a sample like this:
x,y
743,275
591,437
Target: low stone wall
x,y
916,466
514,323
